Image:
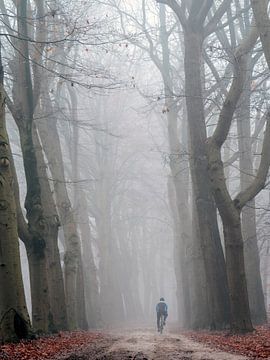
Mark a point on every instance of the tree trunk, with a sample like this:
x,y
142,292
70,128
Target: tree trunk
x,y
181,263
217,288
14,318
199,291
261,14
74,150
22,110
239,305
51,144
41,314
91,281
180,178
266,277
28,240
81,307
54,270
252,263
251,252
240,314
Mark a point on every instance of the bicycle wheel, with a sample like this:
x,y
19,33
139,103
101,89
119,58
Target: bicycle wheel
x,y
161,324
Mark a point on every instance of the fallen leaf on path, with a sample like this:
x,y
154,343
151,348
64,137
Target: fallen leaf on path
x,y
256,345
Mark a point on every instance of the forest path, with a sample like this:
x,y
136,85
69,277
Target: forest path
x,y
148,345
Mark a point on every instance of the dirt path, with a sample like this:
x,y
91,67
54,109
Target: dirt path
x,y
148,345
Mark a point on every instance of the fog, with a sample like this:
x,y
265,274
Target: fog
x,y
144,174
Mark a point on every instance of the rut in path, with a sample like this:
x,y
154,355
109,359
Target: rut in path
x,y
148,345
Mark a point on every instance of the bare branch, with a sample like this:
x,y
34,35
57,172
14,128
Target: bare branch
x,y
204,10
212,24
236,88
232,159
259,182
173,4
260,10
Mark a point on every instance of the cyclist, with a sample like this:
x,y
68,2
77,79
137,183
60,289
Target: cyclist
x,y
161,309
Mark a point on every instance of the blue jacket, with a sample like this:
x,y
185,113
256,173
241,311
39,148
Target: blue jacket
x,y
162,307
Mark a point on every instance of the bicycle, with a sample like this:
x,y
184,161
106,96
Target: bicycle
x,y
161,323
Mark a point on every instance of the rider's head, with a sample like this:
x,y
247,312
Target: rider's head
x,y
161,299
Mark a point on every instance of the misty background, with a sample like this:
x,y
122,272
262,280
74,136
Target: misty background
x,y
119,196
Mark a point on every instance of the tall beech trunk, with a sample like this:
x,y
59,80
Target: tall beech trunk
x,y
14,318
26,236
239,305
217,288
252,263
181,265
90,271
180,178
230,209
54,270
261,15
240,316
266,282
204,214
74,151
80,303
35,245
41,314
51,144
22,110
251,251
190,273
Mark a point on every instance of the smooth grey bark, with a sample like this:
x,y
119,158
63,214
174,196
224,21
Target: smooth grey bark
x,y
260,11
50,141
80,301
93,310
49,136
54,270
251,252
204,205
74,151
180,179
209,239
14,318
244,154
22,110
182,266
229,209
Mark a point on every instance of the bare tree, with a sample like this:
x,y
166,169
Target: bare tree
x,y
14,318
192,16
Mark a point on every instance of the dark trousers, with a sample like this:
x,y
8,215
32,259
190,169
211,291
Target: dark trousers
x,y
159,316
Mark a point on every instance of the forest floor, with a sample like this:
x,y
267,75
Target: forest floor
x,y
142,344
